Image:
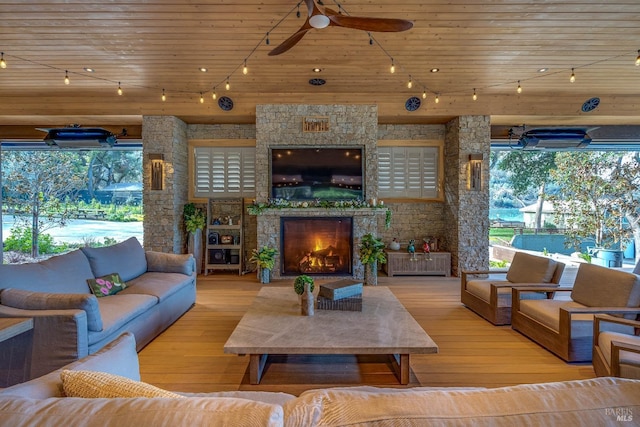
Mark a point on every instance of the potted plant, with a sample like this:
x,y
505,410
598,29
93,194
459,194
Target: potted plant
x,y
265,259
371,252
194,222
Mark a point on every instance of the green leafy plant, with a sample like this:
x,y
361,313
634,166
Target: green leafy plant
x,y
194,218
298,284
371,250
265,257
585,256
498,264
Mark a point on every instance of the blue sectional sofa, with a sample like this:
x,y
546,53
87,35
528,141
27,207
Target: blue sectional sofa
x,y
71,323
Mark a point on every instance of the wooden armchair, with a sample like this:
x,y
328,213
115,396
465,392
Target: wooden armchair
x,y
616,354
565,327
491,297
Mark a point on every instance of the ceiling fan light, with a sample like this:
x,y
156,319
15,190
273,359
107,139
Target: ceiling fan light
x,y
319,21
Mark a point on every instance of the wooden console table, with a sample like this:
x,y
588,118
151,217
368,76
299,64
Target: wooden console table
x,y
401,263
16,339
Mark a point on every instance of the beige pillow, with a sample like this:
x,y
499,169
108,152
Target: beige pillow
x,y
91,384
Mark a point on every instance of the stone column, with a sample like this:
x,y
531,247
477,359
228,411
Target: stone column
x,y
163,223
466,209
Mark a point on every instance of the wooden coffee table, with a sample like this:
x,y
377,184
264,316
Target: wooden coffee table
x,y
273,325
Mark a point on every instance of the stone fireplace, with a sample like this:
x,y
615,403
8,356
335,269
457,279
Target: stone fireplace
x,y
316,245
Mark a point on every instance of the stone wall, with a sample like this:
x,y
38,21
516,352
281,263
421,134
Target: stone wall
x,y
163,225
466,211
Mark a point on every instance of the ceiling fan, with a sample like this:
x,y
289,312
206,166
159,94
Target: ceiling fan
x,y
320,16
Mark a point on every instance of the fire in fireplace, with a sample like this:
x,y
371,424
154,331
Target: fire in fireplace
x,y
312,245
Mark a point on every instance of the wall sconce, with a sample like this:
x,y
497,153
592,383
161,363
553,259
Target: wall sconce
x,y
475,171
157,171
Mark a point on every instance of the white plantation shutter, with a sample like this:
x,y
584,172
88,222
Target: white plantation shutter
x,y
408,172
222,171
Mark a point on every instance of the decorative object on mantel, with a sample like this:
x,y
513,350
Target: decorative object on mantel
x,y
258,208
371,253
303,286
394,245
265,259
194,222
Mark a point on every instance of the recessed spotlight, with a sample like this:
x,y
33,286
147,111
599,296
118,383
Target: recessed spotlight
x,y
316,70
89,69
543,70
435,70
203,69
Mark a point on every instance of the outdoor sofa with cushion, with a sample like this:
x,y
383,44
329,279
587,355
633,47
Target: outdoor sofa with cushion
x,y
104,389
490,297
70,322
564,326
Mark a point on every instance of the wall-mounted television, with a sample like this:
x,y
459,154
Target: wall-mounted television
x,y
317,173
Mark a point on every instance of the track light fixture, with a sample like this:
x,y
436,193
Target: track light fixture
x,y
119,89
393,67
437,98
245,70
572,79
201,98
409,83
519,89
424,94
227,85
164,97
475,96
3,63
66,77
214,95
637,60
267,40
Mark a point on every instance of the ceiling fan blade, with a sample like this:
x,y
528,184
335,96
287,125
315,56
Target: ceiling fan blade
x,y
371,24
292,40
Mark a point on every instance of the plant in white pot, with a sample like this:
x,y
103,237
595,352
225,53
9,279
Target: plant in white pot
x,y
265,259
371,253
194,222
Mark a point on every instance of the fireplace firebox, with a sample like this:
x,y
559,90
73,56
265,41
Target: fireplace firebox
x,y
316,245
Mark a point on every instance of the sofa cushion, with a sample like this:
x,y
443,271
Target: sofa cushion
x,y
629,361
482,289
118,310
104,286
597,286
122,349
93,385
28,300
160,285
527,268
551,404
126,258
170,263
138,411
64,274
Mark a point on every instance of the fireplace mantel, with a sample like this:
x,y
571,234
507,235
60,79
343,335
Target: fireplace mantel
x,y
365,221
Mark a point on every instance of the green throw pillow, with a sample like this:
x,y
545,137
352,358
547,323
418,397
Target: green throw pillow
x,y
109,284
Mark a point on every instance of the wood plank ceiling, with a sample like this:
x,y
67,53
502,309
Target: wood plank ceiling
x,y
150,45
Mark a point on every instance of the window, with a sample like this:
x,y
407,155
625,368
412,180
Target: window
x,y
409,172
224,171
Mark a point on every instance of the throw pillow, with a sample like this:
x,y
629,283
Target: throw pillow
x,y
94,385
109,284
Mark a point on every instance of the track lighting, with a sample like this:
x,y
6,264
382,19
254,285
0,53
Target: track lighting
x,y
519,90
201,98
227,85
214,95
245,70
437,98
298,12
393,67
572,79
475,96
164,97
637,61
424,94
66,77
3,63
119,89
370,39
267,40
409,83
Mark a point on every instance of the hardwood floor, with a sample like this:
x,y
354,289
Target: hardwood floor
x,y
474,353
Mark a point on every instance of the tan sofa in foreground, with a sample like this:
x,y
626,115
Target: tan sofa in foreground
x,y
42,402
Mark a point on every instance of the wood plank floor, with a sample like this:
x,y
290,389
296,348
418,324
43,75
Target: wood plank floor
x,y
189,355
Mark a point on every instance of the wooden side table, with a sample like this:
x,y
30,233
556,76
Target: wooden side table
x,y
402,263
16,343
